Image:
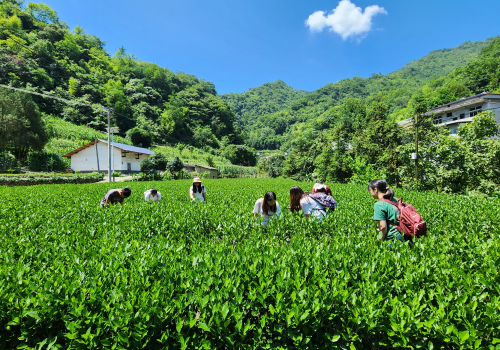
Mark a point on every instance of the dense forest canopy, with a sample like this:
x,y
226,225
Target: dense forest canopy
x,y
274,114
39,52
364,141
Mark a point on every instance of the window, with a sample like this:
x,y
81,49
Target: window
x,y
475,110
438,119
449,115
124,154
453,131
137,156
455,118
462,115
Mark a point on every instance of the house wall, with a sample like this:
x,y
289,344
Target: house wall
x,y
213,173
86,160
464,112
495,107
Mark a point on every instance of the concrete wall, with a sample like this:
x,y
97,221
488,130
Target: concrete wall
x,y
495,107
213,173
86,160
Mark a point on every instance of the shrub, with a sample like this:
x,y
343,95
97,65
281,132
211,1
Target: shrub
x,y
9,163
240,155
139,137
47,161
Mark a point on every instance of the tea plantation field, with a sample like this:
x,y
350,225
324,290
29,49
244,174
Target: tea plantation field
x,y
182,275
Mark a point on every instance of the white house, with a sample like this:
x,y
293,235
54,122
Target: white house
x,y
456,113
124,158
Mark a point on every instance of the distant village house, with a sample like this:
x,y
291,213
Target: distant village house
x,y
125,158
201,169
456,113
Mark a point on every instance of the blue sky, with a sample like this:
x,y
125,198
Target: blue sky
x,y
242,44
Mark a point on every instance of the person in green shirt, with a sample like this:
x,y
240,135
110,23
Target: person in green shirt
x,y
385,213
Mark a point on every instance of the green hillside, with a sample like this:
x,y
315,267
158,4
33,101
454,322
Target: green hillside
x,y
39,52
363,142
265,99
316,110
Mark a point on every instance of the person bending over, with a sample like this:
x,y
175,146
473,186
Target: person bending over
x,y
301,201
152,195
267,207
115,196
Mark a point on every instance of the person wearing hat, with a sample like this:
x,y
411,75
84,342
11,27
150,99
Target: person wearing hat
x,y
319,187
198,192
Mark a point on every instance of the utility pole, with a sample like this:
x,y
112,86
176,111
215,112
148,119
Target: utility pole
x,y
113,163
97,154
416,151
109,147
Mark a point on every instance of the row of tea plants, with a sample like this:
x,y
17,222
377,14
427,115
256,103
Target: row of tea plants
x,y
183,275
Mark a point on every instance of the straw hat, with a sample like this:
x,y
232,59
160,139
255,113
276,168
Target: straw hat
x,y
196,179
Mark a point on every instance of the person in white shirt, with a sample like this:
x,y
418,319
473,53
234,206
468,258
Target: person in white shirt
x,y
301,201
267,207
152,195
198,192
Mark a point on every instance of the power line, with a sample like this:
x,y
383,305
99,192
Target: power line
x,y
56,98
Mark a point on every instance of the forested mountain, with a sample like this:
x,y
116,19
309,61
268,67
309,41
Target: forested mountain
x,y
364,142
39,52
317,110
265,99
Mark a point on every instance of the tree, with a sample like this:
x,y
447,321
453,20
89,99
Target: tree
x,y
139,137
482,127
240,155
21,126
175,165
42,12
154,163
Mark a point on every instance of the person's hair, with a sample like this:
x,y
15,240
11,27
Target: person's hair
x,y
154,191
382,186
126,192
198,188
296,194
269,196
319,182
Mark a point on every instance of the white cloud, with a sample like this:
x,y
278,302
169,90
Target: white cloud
x,y
346,19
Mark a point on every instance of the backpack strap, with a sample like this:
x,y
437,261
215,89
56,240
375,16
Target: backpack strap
x,y
398,227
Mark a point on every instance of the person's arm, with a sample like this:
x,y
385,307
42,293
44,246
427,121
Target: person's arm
x,y
121,200
278,214
382,227
380,215
255,215
306,208
205,196
107,202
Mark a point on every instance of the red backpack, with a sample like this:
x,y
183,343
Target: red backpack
x,y
410,221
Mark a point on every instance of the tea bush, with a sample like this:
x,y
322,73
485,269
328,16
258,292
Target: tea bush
x,y
183,275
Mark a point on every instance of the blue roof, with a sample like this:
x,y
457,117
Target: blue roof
x,y
128,148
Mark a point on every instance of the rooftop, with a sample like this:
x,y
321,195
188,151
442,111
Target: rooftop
x,y
121,146
467,99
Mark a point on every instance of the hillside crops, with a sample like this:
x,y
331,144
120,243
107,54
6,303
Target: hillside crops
x,y
182,275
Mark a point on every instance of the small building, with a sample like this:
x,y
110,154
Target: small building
x,y
125,158
456,113
213,172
